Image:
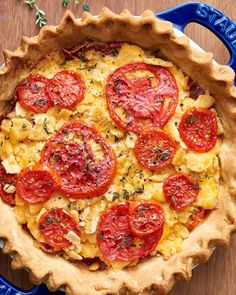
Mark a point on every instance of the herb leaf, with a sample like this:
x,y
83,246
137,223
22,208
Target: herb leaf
x,y
64,3
86,7
31,3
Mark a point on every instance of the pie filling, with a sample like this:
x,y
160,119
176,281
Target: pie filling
x,y
110,155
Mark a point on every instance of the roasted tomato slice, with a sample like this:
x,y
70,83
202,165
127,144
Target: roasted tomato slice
x,y
180,190
7,186
66,89
196,217
115,239
135,103
83,159
37,184
32,94
55,224
198,129
154,149
146,218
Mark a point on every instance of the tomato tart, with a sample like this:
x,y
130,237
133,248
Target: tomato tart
x,y
117,143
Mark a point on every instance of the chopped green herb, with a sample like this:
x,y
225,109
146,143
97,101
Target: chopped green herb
x,y
45,127
115,52
41,226
82,56
190,119
56,158
156,52
101,235
140,173
92,67
24,126
64,131
126,194
164,155
41,102
115,196
196,186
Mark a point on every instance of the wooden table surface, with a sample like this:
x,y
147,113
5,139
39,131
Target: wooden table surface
x,y
217,277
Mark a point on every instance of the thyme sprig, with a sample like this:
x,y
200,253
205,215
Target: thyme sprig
x,y
40,15
40,18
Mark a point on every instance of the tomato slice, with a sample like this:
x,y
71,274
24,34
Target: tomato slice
x,y
154,149
116,240
55,224
180,190
7,186
143,104
66,89
32,94
37,184
146,218
198,129
70,152
196,217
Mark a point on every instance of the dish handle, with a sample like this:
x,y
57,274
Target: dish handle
x,y
209,17
6,288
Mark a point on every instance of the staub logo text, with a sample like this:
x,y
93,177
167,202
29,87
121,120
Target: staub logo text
x,y
219,21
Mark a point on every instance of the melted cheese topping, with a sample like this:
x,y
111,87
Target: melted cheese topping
x,y
21,143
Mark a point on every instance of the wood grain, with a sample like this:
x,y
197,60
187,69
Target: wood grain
x,y
217,277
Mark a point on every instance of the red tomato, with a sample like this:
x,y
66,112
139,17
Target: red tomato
x,y
83,174
66,89
144,105
198,129
55,224
196,217
180,190
146,218
37,184
154,149
7,181
32,94
116,240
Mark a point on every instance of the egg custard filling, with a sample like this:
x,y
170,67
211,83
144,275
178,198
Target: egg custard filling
x,y
109,154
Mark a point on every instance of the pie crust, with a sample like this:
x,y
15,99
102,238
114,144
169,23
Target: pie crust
x,y
154,275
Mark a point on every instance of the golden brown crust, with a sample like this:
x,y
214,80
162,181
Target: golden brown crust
x,y
154,274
